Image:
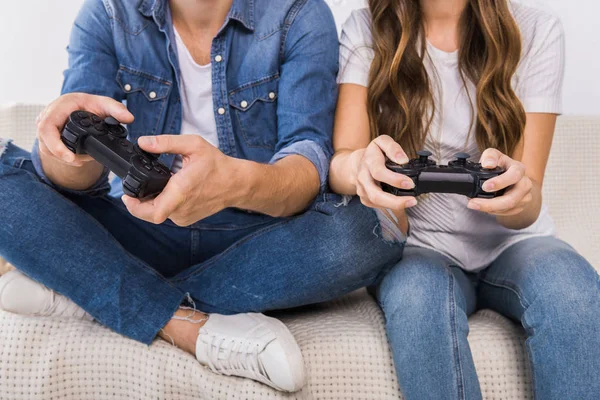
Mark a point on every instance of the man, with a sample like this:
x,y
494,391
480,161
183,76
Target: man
x,y
247,88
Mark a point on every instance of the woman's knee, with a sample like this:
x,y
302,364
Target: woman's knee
x,y
561,281
421,284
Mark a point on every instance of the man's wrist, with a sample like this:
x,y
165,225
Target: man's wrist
x,y
70,177
240,182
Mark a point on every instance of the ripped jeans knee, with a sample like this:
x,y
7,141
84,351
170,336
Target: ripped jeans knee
x,y
390,230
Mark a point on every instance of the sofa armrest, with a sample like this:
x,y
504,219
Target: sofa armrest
x,y
570,188
17,122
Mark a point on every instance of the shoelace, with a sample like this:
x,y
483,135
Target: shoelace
x,y
240,356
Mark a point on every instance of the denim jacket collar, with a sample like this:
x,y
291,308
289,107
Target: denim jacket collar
x,y
241,10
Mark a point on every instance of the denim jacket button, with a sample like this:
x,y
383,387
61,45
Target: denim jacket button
x,y
221,111
272,95
244,104
218,59
152,95
128,88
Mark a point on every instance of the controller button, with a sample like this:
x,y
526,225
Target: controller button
x,y
86,123
69,136
130,150
111,121
132,182
424,153
100,127
81,114
96,119
124,142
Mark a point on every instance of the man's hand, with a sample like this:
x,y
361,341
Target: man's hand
x,y
205,185
62,167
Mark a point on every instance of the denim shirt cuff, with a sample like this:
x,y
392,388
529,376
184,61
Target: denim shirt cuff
x,y
100,188
313,152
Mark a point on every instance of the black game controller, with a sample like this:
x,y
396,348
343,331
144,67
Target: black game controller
x,y
460,177
106,141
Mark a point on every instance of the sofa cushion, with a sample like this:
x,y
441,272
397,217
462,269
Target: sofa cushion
x,y
343,342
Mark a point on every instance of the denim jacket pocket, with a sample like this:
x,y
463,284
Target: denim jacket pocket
x,y
255,109
147,97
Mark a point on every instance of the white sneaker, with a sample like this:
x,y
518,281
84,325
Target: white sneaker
x,y
21,295
252,346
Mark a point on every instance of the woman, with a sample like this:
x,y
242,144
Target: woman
x,y
482,77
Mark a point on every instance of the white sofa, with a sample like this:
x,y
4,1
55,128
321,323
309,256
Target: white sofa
x,y
343,342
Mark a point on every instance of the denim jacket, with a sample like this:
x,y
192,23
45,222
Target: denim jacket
x,y
274,74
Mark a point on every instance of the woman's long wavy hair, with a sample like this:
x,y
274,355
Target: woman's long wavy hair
x,y
400,99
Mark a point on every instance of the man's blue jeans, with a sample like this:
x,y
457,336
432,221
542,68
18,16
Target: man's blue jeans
x,y
541,282
131,276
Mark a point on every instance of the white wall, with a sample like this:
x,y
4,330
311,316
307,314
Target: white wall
x,y
34,33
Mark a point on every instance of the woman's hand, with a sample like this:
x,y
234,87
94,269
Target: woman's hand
x,y
203,187
369,171
519,194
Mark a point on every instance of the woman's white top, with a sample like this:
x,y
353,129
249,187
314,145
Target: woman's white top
x,y
442,222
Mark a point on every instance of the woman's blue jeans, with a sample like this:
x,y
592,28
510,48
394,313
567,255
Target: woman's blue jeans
x,y
131,276
541,282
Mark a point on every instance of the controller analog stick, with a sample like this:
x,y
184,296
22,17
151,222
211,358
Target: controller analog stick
x,y
424,156
462,158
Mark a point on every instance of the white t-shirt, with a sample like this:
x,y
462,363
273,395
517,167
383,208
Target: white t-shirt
x,y
196,99
442,222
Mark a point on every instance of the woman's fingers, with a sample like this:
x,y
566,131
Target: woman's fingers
x,y
391,149
512,176
491,158
374,159
517,197
372,196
